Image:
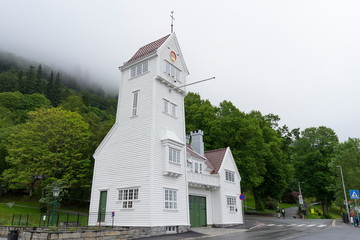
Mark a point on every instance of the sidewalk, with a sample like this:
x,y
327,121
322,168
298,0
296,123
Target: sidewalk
x,y
204,232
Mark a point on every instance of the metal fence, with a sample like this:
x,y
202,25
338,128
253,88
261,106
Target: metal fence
x,y
64,219
47,219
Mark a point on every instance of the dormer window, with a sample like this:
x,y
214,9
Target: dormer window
x,y
172,71
139,69
197,167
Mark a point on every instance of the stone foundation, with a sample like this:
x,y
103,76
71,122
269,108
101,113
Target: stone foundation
x,y
89,233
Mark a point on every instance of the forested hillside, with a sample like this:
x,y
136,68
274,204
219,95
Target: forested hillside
x,y
50,127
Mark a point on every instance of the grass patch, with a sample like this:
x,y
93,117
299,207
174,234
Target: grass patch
x,y
19,211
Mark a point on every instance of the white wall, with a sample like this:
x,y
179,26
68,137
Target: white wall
x,y
133,155
230,189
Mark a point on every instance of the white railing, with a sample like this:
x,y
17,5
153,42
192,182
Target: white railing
x,y
203,179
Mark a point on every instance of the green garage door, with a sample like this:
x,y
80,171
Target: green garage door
x,y
197,207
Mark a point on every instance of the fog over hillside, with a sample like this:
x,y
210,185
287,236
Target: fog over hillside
x,y
295,59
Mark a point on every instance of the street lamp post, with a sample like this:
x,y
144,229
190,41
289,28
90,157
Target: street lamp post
x,y
346,201
56,192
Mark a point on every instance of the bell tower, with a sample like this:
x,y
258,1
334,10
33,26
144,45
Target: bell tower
x,y
140,167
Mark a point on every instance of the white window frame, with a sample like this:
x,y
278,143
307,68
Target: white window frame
x,y
173,109
197,167
231,203
139,69
135,103
169,107
174,155
166,106
127,196
170,199
173,71
229,176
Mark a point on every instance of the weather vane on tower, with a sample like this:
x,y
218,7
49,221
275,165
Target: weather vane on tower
x,y
172,20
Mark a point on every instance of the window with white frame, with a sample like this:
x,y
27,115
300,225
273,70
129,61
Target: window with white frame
x,y
229,176
172,71
127,196
197,167
169,108
170,200
134,111
139,69
231,203
174,155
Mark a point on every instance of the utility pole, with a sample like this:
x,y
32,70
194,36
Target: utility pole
x,y
346,201
301,201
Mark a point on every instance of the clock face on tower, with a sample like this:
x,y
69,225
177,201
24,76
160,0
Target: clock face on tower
x,y
172,56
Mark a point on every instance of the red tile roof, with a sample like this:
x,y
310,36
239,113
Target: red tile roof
x,y
216,158
146,50
213,158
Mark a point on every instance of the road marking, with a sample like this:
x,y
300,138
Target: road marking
x,y
310,225
300,225
322,225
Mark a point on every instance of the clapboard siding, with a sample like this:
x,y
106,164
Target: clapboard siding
x,y
132,155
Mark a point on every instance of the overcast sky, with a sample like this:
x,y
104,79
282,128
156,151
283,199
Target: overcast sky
x,y
297,59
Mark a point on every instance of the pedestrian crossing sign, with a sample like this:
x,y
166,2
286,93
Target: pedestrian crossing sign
x,y
354,194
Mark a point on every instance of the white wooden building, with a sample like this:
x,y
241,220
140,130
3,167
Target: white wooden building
x,y
145,175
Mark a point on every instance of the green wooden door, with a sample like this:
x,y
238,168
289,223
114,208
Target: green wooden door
x,y
102,206
197,207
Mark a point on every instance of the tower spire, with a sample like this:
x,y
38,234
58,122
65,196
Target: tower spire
x,y
172,21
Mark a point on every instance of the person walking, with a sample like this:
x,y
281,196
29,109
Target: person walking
x,y
283,212
304,213
278,212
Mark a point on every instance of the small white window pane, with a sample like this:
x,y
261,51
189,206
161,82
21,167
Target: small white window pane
x,y
120,194
131,194
138,69
136,193
178,156
133,72
145,66
126,194
167,67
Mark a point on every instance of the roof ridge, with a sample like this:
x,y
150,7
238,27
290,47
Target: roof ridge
x,y
216,149
146,50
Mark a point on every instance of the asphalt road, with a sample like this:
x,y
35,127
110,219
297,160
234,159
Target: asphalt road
x,y
296,230
264,228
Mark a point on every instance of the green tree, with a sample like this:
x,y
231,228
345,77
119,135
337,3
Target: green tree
x,y
200,114
279,170
313,152
28,83
8,82
347,155
56,94
53,143
38,83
